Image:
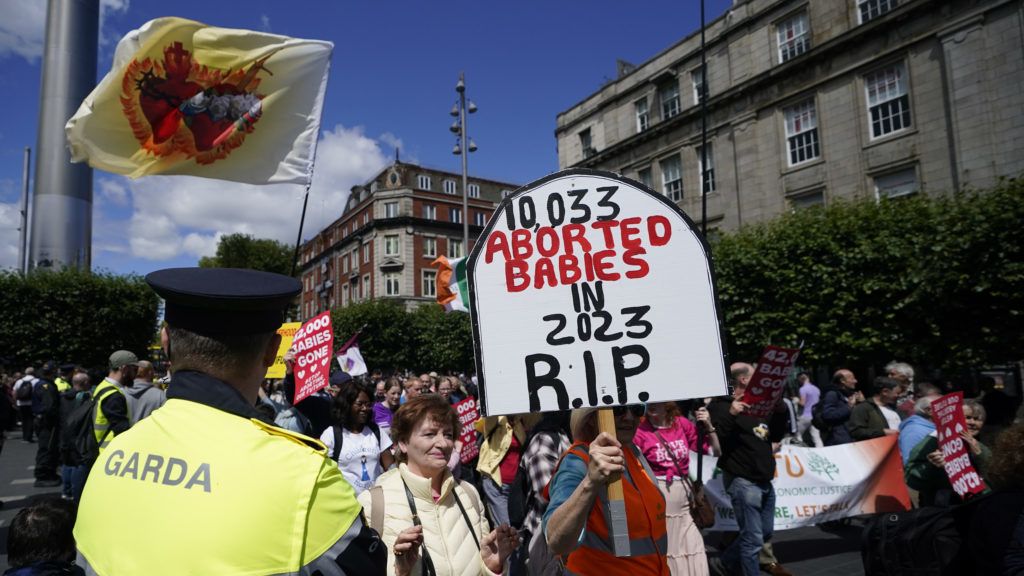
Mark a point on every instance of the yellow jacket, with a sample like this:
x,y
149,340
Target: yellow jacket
x,y
497,433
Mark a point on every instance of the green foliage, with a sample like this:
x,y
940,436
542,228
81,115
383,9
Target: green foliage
x,y
393,338
74,316
245,251
932,280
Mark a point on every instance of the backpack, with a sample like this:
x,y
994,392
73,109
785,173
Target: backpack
x,y
338,437
78,436
24,390
924,541
817,413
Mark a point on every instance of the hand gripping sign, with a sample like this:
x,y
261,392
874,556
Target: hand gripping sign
x,y
313,344
765,387
950,424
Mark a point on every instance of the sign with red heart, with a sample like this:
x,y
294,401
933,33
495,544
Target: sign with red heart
x,y
314,347
765,386
951,429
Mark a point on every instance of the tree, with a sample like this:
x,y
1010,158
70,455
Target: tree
x,y
245,251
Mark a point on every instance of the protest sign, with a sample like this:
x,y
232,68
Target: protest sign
x,y
765,386
588,289
950,424
468,414
313,345
815,485
287,332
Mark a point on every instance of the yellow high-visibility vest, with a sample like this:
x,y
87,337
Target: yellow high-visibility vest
x,y
100,423
62,384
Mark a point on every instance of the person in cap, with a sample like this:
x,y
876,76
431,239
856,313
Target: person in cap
x,y
46,408
63,380
111,417
195,475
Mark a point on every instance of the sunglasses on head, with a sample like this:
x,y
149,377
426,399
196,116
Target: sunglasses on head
x,y
638,410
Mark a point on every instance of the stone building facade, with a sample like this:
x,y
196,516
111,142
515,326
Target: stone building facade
x,y
810,102
391,229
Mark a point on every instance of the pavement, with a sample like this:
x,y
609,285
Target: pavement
x,y
812,551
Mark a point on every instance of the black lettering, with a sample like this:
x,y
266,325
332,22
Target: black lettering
x,y
606,202
622,373
174,465
555,200
201,478
578,205
584,327
131,467
536,382
588,365
637,321
575,297
113,464
527,220
552,336
153,464
601,332
510,217
593,295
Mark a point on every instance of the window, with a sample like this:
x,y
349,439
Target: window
x,y
344,294
587,144
391,283
454,248
506,193
344,231
643,115
888,101
430,212
793,37
357,291
474,190
816,198
391,209
430,283
450,187
707,178
802,132
455,215
344,263
672,178
366,253
423,181
697,77
895,184
430,247
480,219
870,9
364,290
366,217
645,177
391,245
669,95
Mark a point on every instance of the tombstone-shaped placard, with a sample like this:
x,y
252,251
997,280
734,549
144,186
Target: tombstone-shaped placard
x,y
589,289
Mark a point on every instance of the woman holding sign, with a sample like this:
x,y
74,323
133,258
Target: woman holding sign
x,y
666,438
925,470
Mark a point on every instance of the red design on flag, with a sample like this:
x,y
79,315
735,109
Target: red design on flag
x,y
765,386
313,346
950,425
468,413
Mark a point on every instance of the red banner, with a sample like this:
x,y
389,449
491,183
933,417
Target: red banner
x,y
313,345
765,387
948,413
468,414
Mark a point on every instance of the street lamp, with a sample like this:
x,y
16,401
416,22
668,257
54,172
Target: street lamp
x,y
459,111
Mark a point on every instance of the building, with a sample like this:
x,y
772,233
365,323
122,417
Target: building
x,y
810,102
391,229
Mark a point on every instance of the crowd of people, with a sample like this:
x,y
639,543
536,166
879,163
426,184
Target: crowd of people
x,y
387,488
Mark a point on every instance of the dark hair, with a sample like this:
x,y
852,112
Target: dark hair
x,y
341,410
421,409
884,383
223,354
1006,466
42,532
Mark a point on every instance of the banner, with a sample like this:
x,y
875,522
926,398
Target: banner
x,y
452,286
950,424
287,332
588,289
468,414
815,485
765,387
186,98
313,345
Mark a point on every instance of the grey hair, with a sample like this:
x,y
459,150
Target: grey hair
x,y
923,407
977,409
901,368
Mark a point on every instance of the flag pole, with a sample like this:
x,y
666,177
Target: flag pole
x,y
703,195
302,219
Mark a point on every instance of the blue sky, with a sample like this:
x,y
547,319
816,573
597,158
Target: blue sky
x,y
392,81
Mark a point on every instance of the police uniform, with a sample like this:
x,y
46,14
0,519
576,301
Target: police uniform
x,y
203,486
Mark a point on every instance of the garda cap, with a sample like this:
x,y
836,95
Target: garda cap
x,y
224,301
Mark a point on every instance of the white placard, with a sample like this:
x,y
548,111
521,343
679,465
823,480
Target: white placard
x,y
586,289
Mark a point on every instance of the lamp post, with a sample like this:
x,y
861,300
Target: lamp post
x,y
460,110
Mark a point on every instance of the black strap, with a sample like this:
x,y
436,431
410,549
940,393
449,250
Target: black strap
x,y
464,515
336,453
427,563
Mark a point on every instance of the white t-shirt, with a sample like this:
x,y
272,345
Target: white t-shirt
x,y
891,417
359,460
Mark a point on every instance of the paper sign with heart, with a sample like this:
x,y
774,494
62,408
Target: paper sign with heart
x,y
314,348
948,414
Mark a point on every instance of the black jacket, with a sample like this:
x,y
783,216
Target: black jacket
x,y
835,411
746,441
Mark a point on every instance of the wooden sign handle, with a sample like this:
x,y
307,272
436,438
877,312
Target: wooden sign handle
x,y
619,528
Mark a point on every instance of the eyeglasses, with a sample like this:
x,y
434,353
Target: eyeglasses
x,y
637,410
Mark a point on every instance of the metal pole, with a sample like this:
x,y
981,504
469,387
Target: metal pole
x,y
465,163
23,214
302,220
62,202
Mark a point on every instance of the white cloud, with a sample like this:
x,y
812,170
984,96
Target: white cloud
x,y
113,191
108,36
10,219
265,22
23,26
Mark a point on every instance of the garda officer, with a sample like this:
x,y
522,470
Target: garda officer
x,y
215,489
63,380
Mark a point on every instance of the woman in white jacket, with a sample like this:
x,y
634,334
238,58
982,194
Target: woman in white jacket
x,y
432,524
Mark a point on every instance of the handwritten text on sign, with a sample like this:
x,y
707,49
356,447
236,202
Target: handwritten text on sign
x,y
948,414
765,387
287,332
313,352
468,414
587,291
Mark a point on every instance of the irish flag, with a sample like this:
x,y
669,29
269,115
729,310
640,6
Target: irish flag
x,y
452,286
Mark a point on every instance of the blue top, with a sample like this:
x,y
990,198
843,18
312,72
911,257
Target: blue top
x,y
912,431
569,475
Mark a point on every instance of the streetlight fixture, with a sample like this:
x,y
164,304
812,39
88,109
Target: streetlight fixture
x,y
459,110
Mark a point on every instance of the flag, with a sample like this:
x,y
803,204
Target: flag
x,y
349,357
186,98
452,285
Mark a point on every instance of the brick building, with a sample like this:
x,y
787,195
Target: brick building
x,y
810,102
390,231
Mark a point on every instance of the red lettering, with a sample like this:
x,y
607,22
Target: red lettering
x,y
522,248
552,236
569,269
606,226
544,273
497,242
588,266
656,238
517,277
575,234
602,267
630,231
632,258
